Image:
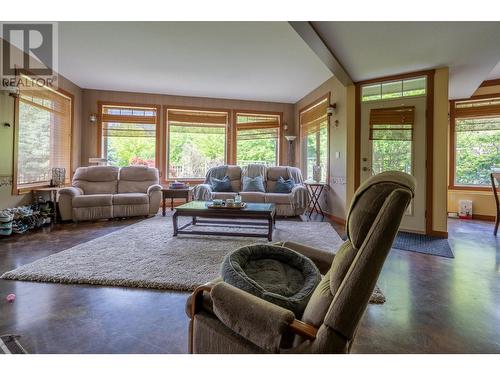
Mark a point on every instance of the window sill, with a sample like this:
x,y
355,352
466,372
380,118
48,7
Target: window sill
x,y
191,181
28,188
469,188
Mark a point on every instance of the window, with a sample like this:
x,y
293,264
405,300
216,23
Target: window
x,y
257,139
391,133
314,140
394,89
196,142
43,138
476,138
129,135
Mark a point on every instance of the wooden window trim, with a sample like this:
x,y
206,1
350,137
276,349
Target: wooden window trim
x,y
27,188
101,104
303,165
429,134
452,145
234,128
165,153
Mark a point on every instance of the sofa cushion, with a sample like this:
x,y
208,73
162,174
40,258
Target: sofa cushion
x,y
279,198
284,186
130,198
253,197
139,173
96,200
234,174
253,184
137,179
99,173
223,185
96,180
90,187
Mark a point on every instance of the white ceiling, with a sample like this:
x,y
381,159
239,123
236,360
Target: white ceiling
x,y
495,73
265,61
376,49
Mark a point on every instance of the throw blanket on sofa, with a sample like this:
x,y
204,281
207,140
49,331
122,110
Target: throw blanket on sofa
x,y
216,172
301,197
200,192
254,170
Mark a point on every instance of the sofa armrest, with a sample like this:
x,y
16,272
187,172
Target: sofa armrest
x,y
258,321
202,192
300,196
65,200
155,187
72,191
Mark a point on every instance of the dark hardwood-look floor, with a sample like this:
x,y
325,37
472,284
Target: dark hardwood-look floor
x,y
434,305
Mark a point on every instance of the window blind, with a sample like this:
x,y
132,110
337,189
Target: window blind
x,y
257,121
196,118
478,108
134,115
477,124
314,117
392,123
253,134
44,137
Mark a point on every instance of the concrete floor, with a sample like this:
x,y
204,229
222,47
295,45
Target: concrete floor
x,y
434,304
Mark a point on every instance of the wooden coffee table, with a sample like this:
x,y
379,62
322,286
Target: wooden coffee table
x,y
252,211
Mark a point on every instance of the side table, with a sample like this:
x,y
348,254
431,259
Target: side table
x,y
174,193
52,190
315,189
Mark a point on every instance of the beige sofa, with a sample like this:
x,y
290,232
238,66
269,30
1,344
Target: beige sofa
x,y
105,192
292,204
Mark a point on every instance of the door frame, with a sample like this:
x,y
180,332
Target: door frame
x,y
429,138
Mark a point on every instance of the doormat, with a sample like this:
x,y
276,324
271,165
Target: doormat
x,y
10,345
422,243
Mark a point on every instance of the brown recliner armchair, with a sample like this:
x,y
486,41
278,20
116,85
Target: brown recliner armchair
x,y
225,319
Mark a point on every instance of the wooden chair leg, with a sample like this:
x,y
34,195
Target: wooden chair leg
x,y
497,222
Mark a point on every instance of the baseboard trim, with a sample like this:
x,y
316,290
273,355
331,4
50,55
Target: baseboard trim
x,y
438,233
335,219
483,217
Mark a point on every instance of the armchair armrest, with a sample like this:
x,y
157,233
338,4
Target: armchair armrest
x,y
152,188
202,192
72,191
260,320
255,319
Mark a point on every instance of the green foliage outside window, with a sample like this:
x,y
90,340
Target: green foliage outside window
x,y
34,144
477,152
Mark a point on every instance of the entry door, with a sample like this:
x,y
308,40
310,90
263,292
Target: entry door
x,y
407,156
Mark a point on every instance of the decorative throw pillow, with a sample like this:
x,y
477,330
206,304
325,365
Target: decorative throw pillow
x,y
284,186
223,185
253,184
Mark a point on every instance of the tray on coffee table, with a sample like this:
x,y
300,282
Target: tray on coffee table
x,y
211,205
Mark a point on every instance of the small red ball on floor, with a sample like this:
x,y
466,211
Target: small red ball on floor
x,y
10,298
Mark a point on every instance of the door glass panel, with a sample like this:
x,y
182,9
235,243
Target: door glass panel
x,y
391,155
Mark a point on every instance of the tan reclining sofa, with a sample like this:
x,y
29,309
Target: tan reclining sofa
x,y
105,192
291,204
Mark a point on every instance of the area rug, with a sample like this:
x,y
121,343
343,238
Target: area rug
x,y
145,255
10,345
424,244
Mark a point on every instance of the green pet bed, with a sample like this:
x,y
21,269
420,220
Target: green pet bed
x,y
276,274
